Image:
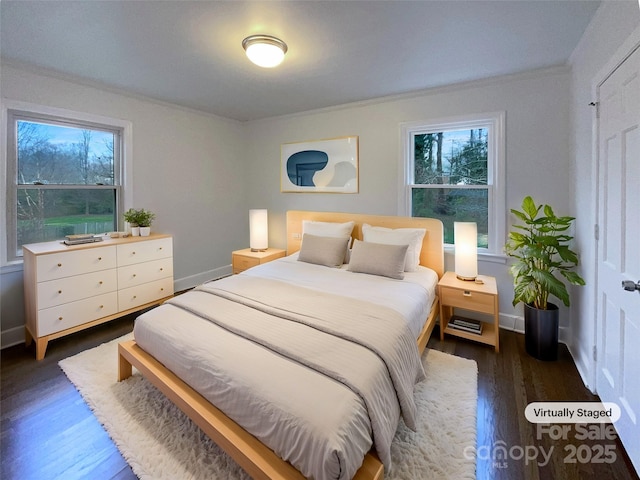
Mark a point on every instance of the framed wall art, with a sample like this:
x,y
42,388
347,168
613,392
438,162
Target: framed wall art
x,y
320,166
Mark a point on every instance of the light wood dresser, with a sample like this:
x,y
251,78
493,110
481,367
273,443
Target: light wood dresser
x,y
70,288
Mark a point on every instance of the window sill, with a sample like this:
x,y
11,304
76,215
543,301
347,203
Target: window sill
x,y
483,256
12,267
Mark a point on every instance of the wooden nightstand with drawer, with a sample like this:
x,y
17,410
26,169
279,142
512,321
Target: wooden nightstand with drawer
x,y
242,260
474,297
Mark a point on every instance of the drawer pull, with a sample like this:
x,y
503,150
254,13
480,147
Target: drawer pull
x,y
160,248
161,269
59,264
134,275
133,253
99,258
100,282
162,289
466,293
101,306
59,318
59,291
135,296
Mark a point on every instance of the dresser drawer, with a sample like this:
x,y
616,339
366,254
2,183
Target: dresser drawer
x,y
70,289
55,319
67,264
145,293
241,263
144,251
479,302
140,273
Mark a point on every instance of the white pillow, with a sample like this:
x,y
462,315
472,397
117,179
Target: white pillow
x,y
327,229
400,236
378,259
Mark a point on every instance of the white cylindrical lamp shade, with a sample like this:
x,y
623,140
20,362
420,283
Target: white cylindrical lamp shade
x,y
258,230
466,246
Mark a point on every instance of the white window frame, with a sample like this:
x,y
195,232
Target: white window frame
x,y
7,173
495,124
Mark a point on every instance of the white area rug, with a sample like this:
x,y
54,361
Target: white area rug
x,y
160,442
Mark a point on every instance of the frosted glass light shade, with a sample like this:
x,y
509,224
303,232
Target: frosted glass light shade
x,y
264,50
466,245
258,230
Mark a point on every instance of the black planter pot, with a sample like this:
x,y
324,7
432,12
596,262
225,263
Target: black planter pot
x,y
541,331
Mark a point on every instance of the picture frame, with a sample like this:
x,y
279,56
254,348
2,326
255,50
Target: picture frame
x,y
320,166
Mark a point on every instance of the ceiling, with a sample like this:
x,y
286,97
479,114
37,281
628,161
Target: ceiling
x,y
189,52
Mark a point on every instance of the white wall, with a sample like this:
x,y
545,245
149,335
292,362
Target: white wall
x,y
186,168
610,27
202,173
537,151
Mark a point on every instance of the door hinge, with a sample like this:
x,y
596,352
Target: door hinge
x,y
595,353
596,231
597,105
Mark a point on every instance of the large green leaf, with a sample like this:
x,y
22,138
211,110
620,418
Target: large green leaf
x,y
552,285
567,255
529,207
573,278
525,291
520,215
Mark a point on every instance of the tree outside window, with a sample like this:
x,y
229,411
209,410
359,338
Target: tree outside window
x,y
453,172
65,178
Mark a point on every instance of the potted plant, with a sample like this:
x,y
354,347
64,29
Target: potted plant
x,y
145,219
543,263
131,217
140,221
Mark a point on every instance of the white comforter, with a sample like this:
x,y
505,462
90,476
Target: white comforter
x,y
320,422
412,297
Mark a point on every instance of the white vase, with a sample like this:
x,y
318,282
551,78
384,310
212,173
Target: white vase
x,y
135,231
145,231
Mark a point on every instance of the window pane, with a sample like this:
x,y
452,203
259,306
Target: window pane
x,y
50,214
454,205
455,157
57,154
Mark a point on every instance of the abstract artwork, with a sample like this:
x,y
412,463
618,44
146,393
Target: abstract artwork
x,y
320,166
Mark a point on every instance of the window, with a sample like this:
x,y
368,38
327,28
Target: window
x,y
64,176
454,171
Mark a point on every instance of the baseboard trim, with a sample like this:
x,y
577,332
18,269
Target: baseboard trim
x,y
194,280
513,323
12,336
584,370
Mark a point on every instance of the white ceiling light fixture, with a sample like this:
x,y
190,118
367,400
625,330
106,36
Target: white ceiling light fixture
x,y
264,50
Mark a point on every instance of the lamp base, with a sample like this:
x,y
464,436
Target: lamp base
x,y
466,279
259,249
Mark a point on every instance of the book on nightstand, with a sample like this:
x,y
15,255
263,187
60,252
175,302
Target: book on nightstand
x,y
466,325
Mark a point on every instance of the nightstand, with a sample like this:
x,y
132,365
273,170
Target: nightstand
x,y
241,260
470,296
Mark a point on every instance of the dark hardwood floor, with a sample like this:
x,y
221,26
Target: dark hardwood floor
x,y
48,432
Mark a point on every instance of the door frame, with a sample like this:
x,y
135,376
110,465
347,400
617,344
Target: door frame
x,y
630,45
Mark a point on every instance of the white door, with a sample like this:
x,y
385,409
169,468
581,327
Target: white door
x,y
618,335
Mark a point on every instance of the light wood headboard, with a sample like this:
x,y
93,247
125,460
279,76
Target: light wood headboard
x,y
432,254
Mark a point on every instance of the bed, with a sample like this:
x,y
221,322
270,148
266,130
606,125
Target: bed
x,y
184,336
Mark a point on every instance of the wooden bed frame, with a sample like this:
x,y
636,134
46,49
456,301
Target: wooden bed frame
x,y
258,460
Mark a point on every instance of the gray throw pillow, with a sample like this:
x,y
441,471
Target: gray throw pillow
x,y
328,251
378,259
